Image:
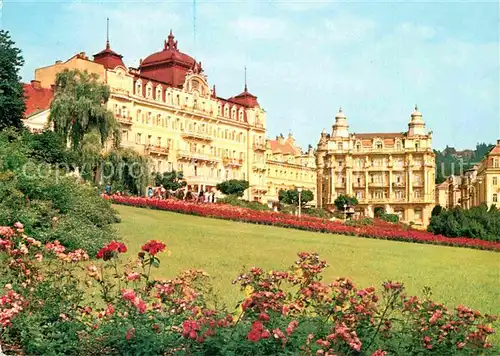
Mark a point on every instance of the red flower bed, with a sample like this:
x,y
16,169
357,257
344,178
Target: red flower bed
x,y
228,212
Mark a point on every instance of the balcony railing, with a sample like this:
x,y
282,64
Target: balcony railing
x,y
157,149
187,155
398,185
197,135
260,166
257,146
259,188
124,120
378,184
235,162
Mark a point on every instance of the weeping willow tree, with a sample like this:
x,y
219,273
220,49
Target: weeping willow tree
x,y
126,171
90,157
79,107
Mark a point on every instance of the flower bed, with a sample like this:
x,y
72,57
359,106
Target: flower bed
x,y
380,230
45,309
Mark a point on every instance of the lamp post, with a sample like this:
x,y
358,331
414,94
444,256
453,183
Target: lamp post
x,y
345,211
299,189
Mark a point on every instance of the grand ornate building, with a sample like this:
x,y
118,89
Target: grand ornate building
x,y
168,111
288,167
390,171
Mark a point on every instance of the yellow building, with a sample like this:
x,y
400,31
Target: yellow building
x,y
481,184
287,167
169,112
390,171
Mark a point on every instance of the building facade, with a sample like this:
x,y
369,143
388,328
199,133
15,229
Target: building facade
x,y
169,112
288,167
481,184
389,171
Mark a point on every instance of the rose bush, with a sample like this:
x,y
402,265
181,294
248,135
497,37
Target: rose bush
x,y
379,230
47,306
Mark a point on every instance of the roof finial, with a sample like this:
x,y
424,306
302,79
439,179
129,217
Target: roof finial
x,y
246,89
107,33
416,107
340,108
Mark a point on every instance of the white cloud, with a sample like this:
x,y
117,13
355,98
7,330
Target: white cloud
x,y
348,29
408,29
258,27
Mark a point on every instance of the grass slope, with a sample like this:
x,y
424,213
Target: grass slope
x,y
223,248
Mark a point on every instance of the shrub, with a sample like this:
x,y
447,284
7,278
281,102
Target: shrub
x,y
359,222
478,222
392,218
378,211
436,210
290,312
233,187
49,203
235,201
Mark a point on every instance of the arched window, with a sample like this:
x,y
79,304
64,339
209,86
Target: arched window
x,y
219,110
138,88
339,146
398,146
241,115
149,91
158,93
378,145
226,111
417,145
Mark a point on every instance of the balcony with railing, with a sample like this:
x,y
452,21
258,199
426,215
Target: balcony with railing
x,y
259,166
197,135
398,184
259,187
378,185
234,162
157,150
124,120
259,146
188,155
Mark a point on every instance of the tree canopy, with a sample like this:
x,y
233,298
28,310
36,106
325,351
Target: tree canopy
x,y
12,104
233,187
170,180
291,196
345,200
79,108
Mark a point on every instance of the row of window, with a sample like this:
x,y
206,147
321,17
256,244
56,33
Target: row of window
x,y
227,110
376,145
382,194
291,174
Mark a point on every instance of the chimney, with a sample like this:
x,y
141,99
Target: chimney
x,y
58,62
35,84
498,142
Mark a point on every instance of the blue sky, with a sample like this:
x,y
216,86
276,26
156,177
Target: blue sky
x,y
304,59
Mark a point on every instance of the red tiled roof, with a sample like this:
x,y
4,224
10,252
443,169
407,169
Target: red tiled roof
x,y
495,150
245,98
285,148
37,98
109,58
379,135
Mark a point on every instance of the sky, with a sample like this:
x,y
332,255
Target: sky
x,y
304,59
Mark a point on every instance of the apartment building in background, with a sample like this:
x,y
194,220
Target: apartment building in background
x,y
389,171
288,167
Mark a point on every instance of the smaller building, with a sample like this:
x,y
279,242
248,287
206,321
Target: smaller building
x,y
38,99
449,192
481,184
288,167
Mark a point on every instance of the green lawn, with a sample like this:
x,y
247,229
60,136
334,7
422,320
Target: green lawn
x,y
223,248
